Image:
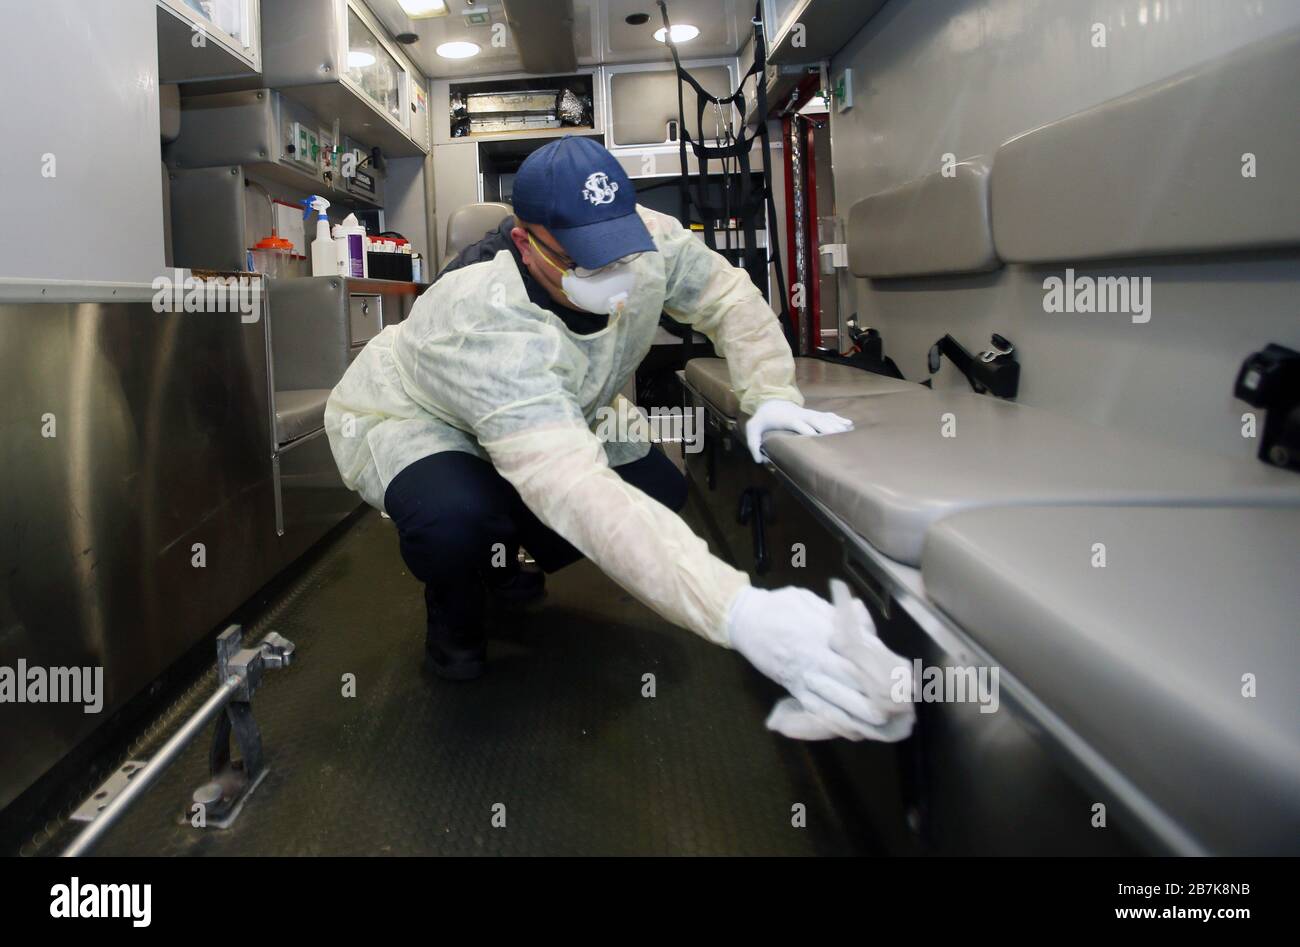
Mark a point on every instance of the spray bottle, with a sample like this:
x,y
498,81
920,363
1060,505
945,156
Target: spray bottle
x,y
324,255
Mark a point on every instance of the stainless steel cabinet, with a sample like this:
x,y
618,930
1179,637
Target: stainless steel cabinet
x,y
808,31
208,39
148,517
374,71
263,131
334,57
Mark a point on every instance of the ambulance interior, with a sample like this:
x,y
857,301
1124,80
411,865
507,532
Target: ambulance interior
x,y
1042,254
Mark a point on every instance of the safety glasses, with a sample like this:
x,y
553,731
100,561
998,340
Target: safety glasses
x,y
584,273
563,263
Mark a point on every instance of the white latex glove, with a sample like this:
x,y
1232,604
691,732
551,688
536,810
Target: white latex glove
x,y
780,415
830,660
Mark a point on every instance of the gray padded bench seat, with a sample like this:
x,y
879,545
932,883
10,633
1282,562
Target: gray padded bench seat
x,y
896,473
817,379
1159,171
933,226
298,413
1144,659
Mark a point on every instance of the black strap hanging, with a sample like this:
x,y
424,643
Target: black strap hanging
x,y
733,154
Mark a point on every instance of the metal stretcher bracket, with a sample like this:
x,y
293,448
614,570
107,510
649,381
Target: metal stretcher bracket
x,y
239,674
233,780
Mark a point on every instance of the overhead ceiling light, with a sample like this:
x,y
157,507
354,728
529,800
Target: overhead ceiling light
x,y
458,50
418,9
360,59
682,33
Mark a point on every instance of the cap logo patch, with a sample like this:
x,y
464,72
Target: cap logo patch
x,y
599,189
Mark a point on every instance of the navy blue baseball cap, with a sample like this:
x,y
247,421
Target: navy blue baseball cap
x,y
575,189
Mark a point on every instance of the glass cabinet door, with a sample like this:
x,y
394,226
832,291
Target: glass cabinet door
x,y
374,70
778,12
231,17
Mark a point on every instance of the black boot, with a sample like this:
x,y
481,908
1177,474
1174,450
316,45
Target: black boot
x,y
455,641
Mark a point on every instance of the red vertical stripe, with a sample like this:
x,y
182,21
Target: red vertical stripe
x,y
814,248
791,274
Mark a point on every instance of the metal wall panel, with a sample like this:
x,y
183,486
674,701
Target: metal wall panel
x,y
80,149
963,76
129,436
643,102
313,499
456,183
208,218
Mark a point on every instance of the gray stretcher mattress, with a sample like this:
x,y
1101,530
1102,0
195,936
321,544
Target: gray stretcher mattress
x,y
1144,659
817,379
898,471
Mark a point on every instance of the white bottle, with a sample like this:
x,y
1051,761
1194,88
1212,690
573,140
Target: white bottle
x,y
324,254
350,245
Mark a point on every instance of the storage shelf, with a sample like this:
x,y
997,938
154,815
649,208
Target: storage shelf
x,y
301,180
586,131
357,118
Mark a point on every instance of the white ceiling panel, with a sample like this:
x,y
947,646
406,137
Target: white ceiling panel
x,y
723,24
600,29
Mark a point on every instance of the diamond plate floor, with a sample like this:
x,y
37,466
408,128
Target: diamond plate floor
x,y
557,732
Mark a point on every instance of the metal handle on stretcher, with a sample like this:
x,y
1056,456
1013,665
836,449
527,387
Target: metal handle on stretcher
x,y
865,579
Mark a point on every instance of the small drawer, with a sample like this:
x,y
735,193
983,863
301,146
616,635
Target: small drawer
x,y
365,317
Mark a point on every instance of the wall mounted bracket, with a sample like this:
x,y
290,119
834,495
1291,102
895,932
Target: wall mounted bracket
x,y
1270,379
995,372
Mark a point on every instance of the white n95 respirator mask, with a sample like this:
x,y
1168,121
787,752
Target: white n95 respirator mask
x,y
604,292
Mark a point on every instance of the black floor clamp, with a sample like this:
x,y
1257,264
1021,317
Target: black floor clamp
x,y
996,371
1270,379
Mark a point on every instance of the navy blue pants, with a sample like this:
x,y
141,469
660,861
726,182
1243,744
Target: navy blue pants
x,y
457,518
